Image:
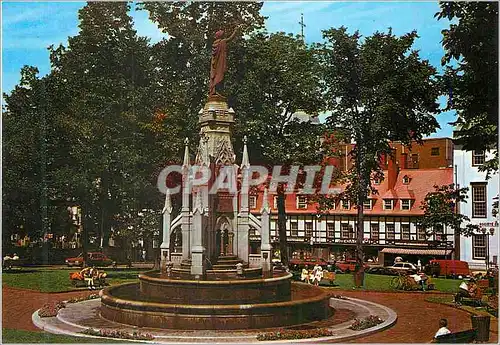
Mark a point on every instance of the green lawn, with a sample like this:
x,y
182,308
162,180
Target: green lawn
x,y
57,280
17,336
377,282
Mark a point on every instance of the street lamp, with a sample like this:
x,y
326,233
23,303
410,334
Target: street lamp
x,y
487,234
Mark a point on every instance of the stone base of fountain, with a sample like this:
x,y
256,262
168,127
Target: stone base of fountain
x,y
158,302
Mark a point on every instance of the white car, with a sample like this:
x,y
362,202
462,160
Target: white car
x,y
404,267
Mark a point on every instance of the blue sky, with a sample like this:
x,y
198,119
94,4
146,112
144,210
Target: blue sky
x,y
28,28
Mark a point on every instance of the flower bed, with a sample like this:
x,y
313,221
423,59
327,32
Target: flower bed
x,y
284,334
83,298
51,309
110,333
367,322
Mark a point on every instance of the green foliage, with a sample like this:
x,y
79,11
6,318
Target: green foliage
x,y
57,280
471,76
379,90
440,209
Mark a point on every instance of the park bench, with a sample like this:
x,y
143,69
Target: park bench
x,y
11,264
457,338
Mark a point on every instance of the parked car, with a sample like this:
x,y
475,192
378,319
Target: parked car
x,y
381,270
298,264
348,265
93,259
404,267
449,268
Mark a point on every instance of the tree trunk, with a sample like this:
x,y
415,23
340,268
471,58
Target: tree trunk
x,y
85,231
282,226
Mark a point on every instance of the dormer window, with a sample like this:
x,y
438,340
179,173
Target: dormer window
x,y
252,202
388,204
367,205
301,202
406,179
346,205
405,204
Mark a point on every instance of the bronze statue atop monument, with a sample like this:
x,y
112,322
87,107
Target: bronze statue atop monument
x,y
218,64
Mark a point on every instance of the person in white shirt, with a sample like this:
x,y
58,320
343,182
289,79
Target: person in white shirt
x,y
443,323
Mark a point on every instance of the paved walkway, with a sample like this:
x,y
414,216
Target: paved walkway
x,y
417,319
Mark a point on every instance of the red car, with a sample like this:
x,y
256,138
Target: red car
x,y
310,262
93,259
348,266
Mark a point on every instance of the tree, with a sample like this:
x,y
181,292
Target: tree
x,y
103,77
182,61
269,78
441,209
379,90
275,77
471,76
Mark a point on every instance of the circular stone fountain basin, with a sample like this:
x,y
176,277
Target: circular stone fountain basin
x,y
126,304
156,288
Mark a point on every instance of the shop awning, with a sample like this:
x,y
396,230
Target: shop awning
x,y
411,251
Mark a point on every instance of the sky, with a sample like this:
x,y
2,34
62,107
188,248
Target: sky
x,y
28,28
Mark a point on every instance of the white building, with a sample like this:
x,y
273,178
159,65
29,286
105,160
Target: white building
x,y
482,247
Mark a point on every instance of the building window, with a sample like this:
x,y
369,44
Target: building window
x,y
478,200
301,202
374,231
478,158
275,201
388,204
376,181
345,204
438,232
405,204
405,231
389,231
367,205
435,151
479,246
309,229
294,229
406,179
252,202
347,231
330,230
421,236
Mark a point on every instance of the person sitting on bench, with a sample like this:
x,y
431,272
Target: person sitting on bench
x,y
469,290
443,329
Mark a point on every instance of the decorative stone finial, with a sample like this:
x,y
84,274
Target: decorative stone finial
x,y
168,203
265,203
245,162
186,153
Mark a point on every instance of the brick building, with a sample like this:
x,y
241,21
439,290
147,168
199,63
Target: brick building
x,y
389,228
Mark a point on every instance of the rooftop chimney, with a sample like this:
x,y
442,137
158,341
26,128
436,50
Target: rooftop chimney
x,y
392,171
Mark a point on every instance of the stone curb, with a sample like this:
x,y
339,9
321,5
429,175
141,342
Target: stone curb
x,y
59,326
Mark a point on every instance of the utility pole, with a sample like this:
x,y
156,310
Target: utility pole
x,y
302,26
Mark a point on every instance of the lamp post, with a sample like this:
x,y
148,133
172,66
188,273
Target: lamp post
x,y
487,234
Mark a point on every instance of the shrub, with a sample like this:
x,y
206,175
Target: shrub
x,y
367,322
283,334
110,333
51,309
